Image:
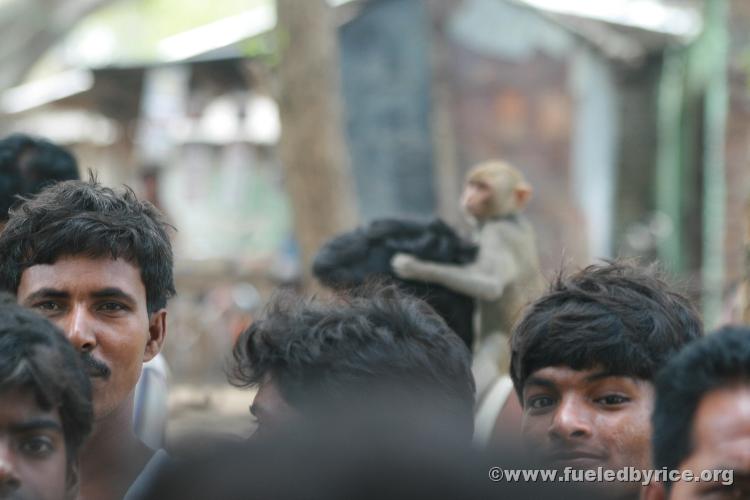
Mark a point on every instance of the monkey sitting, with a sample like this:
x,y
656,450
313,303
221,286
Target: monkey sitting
x,y
352,258
506,274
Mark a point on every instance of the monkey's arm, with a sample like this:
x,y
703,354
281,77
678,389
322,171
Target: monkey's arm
x,y
483,279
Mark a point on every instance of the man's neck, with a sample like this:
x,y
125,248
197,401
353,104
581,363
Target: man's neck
x,y
112,457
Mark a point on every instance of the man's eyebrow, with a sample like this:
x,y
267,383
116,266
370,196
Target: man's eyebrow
x,y
594,377
46,293
113,293
534,380
35,424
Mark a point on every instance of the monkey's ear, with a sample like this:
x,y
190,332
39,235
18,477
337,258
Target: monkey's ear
x,y
522,194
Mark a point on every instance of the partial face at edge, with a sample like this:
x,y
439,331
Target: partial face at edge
x,y
100,304
33,460
721,442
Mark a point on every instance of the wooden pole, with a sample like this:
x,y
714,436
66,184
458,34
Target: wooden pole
x,y
313,150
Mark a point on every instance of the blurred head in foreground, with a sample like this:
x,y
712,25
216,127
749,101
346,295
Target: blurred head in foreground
x,y
309,357
362,455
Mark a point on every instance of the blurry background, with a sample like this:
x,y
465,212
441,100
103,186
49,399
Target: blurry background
x,y
262,128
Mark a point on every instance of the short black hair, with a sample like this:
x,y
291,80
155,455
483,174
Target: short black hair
x,y
616,315
717,360
36,356
85,218
321,353
28,164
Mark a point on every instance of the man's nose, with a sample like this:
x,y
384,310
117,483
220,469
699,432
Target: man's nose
x,y
572,420
80,329
9,481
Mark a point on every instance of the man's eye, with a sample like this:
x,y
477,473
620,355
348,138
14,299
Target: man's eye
x,y
540,402
111,307
613,400
38,446
47,306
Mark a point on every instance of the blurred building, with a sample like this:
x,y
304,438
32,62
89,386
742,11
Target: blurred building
x,y
197,138
628,117
569,96
601,104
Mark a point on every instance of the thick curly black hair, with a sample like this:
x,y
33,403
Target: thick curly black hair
x,y
85,218
339,351
616,315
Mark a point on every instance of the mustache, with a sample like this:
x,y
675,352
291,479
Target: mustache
x,y
94,367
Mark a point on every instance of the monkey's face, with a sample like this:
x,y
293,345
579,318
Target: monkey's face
x,y
477,198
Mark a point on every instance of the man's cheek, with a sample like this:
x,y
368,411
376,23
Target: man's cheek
x,y
631,441
533,430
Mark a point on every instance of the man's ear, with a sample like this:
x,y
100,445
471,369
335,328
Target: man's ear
x,y
72,480
157,330
522,195
654,490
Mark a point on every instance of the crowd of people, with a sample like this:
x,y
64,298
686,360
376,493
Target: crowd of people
x,y
613,388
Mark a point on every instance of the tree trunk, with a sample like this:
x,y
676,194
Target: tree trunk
x,y
448,177
313,150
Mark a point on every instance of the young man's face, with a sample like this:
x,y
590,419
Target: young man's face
x,y
100,304
33,462
721,442
585,419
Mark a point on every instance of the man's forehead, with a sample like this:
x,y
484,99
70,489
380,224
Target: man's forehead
x,y
723,417
19,404
567,374
76,271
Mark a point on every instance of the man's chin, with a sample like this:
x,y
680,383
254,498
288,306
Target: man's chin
x,y
104,405
98,389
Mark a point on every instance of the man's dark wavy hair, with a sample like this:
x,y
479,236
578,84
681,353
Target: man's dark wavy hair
x,y
717,361
616,315
36,357
28,164
381,343
85,218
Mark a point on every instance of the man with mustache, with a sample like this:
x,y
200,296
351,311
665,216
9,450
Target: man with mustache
x,y
98,264
45,408
584,357
28,164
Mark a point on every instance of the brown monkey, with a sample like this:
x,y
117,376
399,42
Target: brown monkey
x,y
505,275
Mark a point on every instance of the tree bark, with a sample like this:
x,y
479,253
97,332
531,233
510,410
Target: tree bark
x,y
313,150
448,177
